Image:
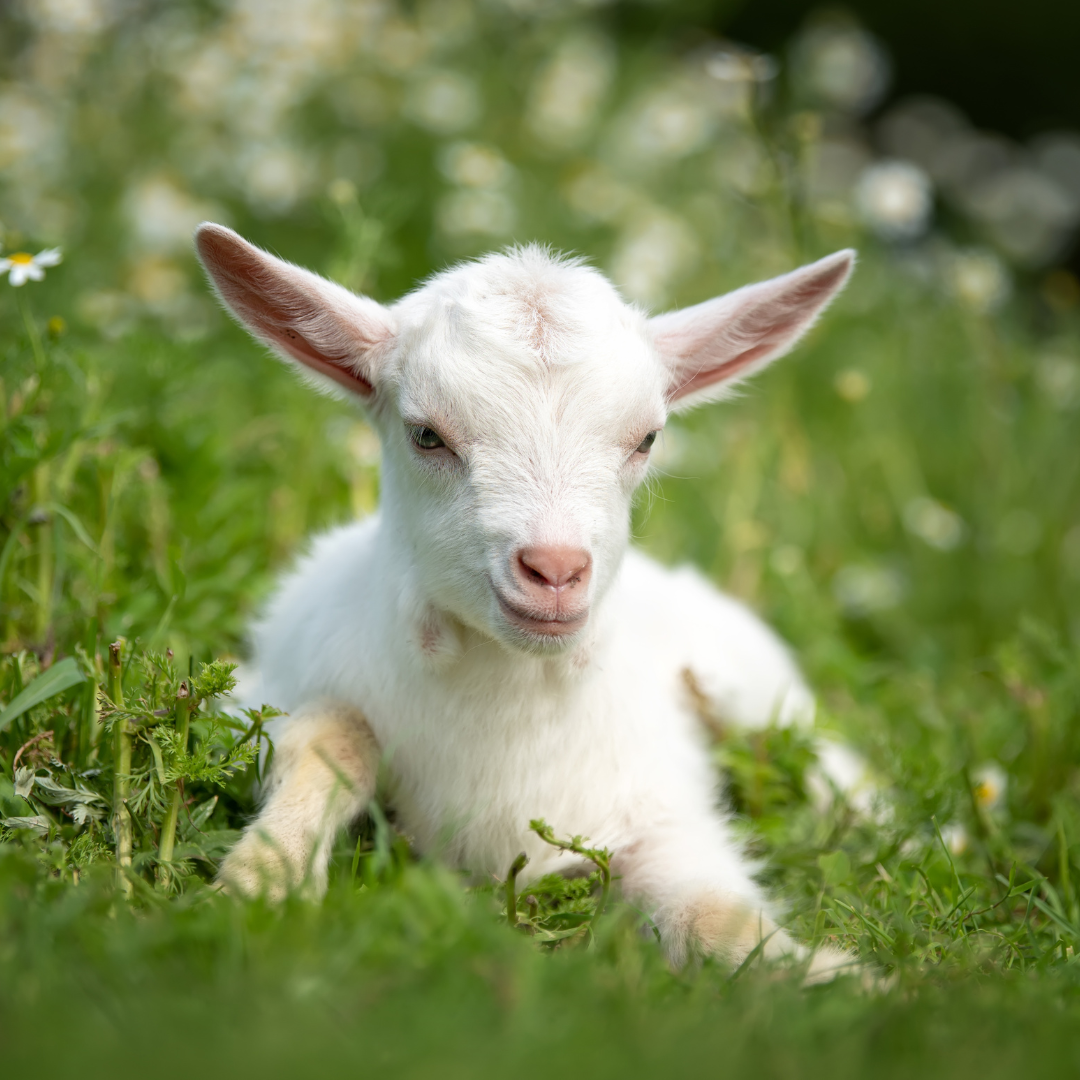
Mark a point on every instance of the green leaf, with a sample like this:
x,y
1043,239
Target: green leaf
x,y
77,526
201,814
48,684
38,823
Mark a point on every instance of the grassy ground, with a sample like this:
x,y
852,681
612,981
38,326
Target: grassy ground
x,y
902,499
152,487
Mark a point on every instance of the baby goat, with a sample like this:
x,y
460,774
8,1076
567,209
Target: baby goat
x,y
489,634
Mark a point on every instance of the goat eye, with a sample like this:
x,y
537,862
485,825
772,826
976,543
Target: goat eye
x,y
646,443
424,438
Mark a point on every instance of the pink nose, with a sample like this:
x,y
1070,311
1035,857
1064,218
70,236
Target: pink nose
x,y
541,570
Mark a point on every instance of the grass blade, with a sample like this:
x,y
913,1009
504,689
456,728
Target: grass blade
x,y
48,684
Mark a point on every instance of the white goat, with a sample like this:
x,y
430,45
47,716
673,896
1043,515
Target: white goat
x,y
489,635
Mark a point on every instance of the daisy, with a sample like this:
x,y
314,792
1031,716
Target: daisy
x,y
990,783
896,199
22,267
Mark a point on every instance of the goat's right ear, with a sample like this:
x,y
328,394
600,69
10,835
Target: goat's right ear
x,y
708,347
335,334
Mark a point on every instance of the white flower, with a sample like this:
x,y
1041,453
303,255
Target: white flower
x,y
864,590
978,279
652,253
895,199
733,64
1059,380
445,102
669,123
22,267
276,176
839,63
956,838
934,524
163,216
570,89
990,783
474,165
483,212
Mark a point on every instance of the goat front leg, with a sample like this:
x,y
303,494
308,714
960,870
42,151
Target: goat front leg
x,y
695,884
322,777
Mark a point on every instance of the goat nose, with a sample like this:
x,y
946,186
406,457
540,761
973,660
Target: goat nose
x,y
554,567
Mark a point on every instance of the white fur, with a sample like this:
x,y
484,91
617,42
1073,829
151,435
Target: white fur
x,y
543,383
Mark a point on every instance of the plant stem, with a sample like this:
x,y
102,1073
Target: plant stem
x,y
95,718
605,889
599,857
43,612
31,331
121,773
1067,892
511,888
168,828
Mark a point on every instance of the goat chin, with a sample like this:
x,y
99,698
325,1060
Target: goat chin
x,y
517,398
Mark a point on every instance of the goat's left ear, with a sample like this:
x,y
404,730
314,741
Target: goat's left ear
x,y
335,336
711,345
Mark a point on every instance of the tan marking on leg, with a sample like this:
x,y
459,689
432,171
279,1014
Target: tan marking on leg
x,y
730,929
323,775
714,924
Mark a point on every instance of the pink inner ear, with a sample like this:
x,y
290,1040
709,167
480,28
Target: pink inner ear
x,y
337,369
716,341
711,375
275,308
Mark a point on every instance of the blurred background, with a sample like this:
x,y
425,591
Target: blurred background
x,y
913,469
462,123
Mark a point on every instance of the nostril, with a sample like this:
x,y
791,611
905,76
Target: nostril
x,y
554,567
530,573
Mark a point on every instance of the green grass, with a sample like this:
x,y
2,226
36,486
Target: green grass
x,y
901,499
971,661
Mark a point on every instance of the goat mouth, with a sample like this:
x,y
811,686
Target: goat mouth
x,y
561,625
